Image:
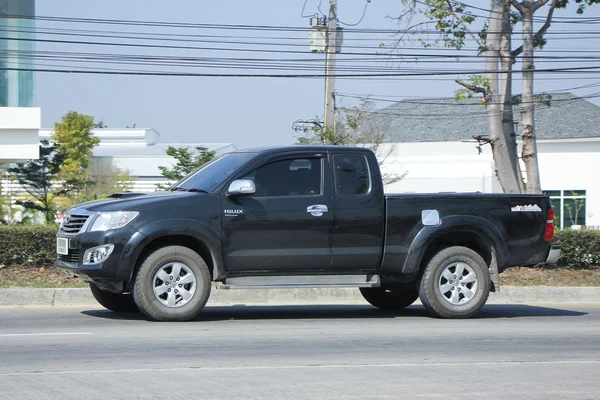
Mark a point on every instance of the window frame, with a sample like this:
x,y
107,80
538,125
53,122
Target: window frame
x,y
562,196
287,158
335,184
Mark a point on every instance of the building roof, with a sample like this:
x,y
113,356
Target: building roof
x,y
121,137
138,150
156,150
444,119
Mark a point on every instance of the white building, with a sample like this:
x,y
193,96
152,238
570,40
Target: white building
x,y
139,152
432,142
19,134
19,120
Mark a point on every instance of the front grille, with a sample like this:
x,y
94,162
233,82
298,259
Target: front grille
x,y
72,257
75,223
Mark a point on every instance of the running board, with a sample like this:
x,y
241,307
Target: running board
x,y
304,281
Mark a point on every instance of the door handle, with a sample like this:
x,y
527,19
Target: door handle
x,y
317,210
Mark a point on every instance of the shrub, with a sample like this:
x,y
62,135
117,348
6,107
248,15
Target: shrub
x,y
28,244
36,244
580,249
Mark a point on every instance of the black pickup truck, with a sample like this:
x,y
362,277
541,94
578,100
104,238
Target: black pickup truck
x,y
300,216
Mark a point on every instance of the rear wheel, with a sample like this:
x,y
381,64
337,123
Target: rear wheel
x,y
173,284
391,298
114,301
455,283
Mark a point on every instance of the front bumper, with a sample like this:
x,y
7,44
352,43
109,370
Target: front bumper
x,y
118,267
553,255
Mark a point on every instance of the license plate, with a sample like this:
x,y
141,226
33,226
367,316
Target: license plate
x,y
62,246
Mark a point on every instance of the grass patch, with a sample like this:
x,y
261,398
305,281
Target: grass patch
x,y
523,276
37,277
51,277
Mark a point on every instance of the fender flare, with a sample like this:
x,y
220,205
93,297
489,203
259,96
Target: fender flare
x,y
197,230
476,225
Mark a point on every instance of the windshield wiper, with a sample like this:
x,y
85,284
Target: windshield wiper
x,y
179,188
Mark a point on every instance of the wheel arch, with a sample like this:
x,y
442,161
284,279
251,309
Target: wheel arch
x,y
203,241
474,233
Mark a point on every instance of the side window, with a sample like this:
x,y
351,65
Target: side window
x,y
352,175
293,177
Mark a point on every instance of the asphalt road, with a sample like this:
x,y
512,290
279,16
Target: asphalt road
x,y
297,352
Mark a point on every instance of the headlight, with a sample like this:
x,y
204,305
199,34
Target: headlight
x,y
113,220
98,254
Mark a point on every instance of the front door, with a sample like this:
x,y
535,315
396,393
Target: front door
x,y
287,225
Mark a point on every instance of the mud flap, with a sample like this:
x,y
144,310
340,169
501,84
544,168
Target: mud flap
x,y
494,274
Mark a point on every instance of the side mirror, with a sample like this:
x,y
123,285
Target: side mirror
x,y
241,186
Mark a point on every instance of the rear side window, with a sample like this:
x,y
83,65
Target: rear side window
x,y
351,174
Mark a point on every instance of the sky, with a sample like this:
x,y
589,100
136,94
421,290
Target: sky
x,y
250,112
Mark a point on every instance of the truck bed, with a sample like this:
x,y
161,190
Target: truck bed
x,y
515,222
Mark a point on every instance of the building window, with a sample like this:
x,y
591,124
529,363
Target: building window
x,y
569,207
17,47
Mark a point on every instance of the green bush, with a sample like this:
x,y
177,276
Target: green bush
x,y
28,244
580,249
36,244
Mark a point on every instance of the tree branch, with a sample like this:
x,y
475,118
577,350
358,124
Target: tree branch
x,y
517,52
538,4
473,88
517,5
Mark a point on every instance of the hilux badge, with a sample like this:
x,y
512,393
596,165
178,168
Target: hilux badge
x,y
233,212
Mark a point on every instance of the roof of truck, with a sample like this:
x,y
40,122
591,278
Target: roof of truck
x,y
318,148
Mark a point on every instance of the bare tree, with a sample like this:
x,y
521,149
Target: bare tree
x,y
453,22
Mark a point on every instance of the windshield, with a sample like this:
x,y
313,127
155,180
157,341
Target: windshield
x,y
214,173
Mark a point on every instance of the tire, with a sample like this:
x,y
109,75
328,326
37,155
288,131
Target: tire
x,y
455,283
397,298
121,303
172,284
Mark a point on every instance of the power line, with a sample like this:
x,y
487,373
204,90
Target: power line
x,y
392,98
432,101
579,70
302,12
361,18
405,114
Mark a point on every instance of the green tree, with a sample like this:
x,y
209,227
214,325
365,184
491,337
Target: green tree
x,y
76,143
106,180
4,204
186,161
38,178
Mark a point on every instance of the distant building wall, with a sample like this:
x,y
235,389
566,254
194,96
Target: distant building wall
x,y
19,134
16,53
567,173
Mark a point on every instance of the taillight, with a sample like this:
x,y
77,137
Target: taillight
x,y
549,232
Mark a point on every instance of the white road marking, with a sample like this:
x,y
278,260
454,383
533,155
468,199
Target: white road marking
x,y
315,366
44,334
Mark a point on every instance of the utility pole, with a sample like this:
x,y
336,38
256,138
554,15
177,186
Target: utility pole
x,y
331,47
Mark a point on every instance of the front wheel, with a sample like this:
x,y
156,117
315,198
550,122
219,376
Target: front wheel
x,y
121,303
455,283
173,284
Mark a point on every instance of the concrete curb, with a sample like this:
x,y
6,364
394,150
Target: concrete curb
x,y
14,298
